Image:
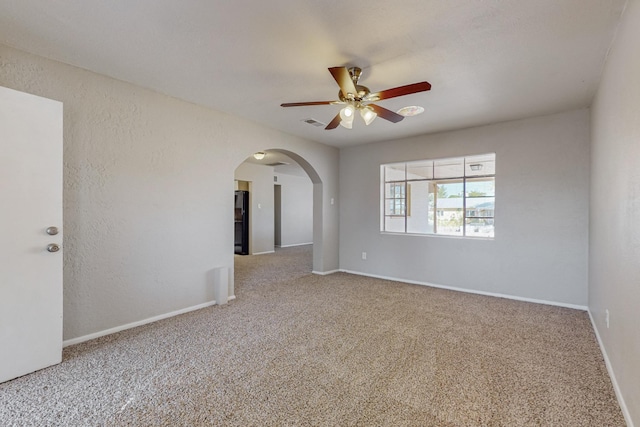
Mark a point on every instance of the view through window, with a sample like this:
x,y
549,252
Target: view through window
x,y
453,197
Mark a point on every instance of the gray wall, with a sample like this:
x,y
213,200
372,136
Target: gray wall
x,y
297,210
542,193
148,182
614,256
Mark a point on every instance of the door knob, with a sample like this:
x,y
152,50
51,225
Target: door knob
x,y
52,247
52,231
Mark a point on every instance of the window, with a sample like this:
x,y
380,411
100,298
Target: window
x,y
452,197
396,199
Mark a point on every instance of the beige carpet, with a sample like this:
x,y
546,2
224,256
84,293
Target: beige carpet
x,y
297,349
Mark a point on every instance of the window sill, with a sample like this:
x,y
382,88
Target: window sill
x,y
445,236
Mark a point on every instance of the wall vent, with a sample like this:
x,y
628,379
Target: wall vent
x,y
314,122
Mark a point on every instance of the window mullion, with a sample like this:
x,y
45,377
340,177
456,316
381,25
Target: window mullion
x,y
464,207
405,198
435,207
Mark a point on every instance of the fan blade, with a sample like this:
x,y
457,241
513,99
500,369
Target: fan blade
x,y
343,78
334,123
386,114
302,104
400,91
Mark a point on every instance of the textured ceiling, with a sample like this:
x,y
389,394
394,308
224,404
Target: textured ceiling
x,y
488,61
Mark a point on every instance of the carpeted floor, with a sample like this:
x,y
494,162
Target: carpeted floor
x,y
296,349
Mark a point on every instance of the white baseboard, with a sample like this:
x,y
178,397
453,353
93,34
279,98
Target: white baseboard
x,y
263,253
295,244
471,291
325,273
614,381
110,331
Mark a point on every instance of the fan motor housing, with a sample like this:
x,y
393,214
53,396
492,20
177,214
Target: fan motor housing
x,y
363,91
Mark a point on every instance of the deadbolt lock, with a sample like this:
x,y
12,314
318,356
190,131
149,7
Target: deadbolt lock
x,y
52,231
52,247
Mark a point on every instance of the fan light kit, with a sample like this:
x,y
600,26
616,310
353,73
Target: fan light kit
x,y
259,155
356,97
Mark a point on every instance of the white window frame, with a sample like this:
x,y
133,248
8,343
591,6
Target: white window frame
x,y
462,177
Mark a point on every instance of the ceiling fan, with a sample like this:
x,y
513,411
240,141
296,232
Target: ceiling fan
x,y
359,98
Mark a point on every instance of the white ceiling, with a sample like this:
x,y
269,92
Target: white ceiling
x,y
280,162
488,61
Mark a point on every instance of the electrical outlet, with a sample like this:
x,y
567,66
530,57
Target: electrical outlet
x,y
364,255
606,317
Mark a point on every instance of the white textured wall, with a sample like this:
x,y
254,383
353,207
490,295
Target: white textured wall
x,y
297,209
614,256
542,194
261,211
148,182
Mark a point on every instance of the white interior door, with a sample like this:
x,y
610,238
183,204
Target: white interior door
x,y
30,203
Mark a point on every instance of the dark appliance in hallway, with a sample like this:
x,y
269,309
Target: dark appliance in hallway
x,y
242,223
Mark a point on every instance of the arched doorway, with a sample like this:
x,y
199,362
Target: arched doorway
x,y
258,177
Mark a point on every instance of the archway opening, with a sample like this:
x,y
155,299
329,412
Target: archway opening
x,y
283,205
